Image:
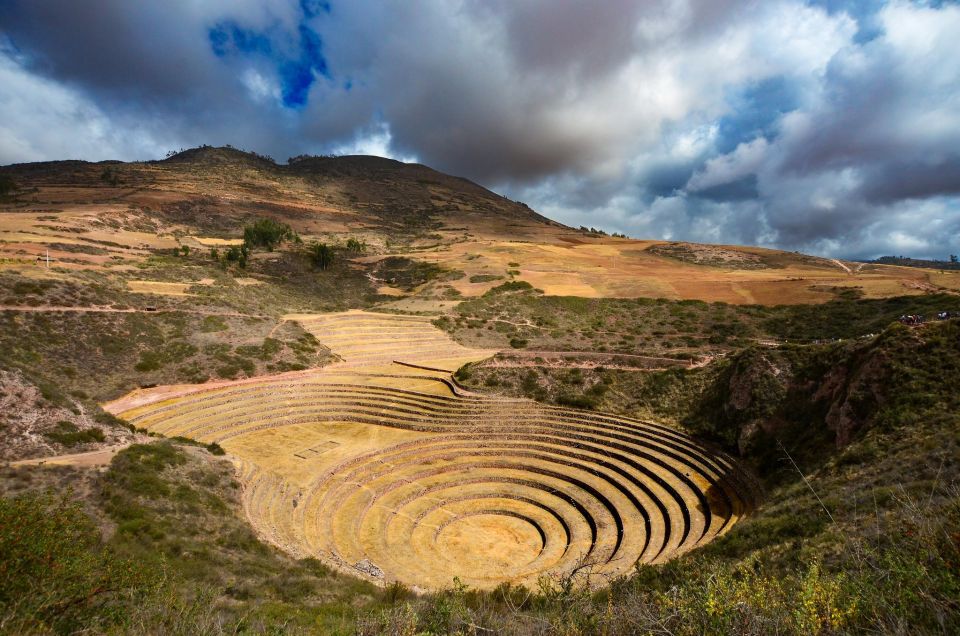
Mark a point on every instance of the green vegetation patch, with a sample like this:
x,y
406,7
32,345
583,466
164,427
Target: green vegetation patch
x,y
408,274
484,278
68,434
267,234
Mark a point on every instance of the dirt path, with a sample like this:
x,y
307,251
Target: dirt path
x,y
279,324
131,310
843,266
585,360
100,457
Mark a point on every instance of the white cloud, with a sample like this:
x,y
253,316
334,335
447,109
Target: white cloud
x,y
745,160
616,114
41,119
376,142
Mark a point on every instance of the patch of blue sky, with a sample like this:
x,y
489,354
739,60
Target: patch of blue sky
x,y
228,37
297,72
863,11
297,76
313,8
755,110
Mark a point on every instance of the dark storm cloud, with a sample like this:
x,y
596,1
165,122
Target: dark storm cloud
x,y
828,125
916,179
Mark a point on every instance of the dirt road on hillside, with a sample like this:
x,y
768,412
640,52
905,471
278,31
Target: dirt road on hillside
x,y
100,457
131,310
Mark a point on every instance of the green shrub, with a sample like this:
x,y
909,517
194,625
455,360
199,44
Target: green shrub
x,y
55,574
484,278
510,286
267,233
320,254
68,434
215,449
213,323
356,246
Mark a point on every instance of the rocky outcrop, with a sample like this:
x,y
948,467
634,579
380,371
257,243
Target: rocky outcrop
x,y
816,396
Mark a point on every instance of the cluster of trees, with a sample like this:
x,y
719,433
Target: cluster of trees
x,y
305,157
173,153
321,254
906,261
234,254
592,230
267,234
357,246
110,177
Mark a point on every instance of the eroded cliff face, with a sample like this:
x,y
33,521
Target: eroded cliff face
x,y
825,395
755,386
854,392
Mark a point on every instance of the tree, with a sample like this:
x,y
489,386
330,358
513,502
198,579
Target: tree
x,y
7,185
109,176
267,233
356,245
321,255
953,258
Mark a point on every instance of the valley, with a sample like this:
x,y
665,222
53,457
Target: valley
x,y
354,395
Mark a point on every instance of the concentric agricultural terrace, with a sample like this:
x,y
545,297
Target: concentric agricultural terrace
x,y
395,473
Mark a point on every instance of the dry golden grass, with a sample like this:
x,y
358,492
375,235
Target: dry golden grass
x,y
619,268
216,242
158,287
367,339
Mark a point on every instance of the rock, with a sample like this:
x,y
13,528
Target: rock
x,y
368,568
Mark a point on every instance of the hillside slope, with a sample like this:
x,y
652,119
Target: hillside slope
x,y
110,214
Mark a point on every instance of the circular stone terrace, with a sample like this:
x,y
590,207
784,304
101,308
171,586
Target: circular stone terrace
x,y
383,466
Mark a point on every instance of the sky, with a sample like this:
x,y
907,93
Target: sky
x,y
830,127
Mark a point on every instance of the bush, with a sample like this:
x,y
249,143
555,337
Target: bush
x,y
356,245
484,278
215,449
511,286
55,574
7,185
68,434
321,255
577,401
267,233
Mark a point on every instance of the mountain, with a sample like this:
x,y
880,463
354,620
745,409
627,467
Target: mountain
x,y
112,211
